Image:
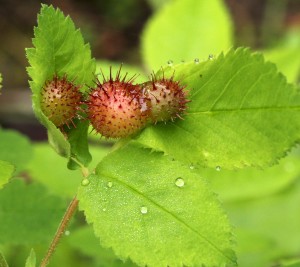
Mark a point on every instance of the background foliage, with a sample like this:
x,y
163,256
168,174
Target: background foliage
x,y
260,203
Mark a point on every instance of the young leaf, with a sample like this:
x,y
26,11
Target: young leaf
x,y
184,30
6,172
3,262
15,148
30,204
242,113
155,211
59,49
31,260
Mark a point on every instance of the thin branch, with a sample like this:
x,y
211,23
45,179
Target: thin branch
x,y
61,229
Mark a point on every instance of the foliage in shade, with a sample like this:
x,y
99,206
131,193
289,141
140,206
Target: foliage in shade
x,y
275,218
59,49
242,113
0,83
59,180
31,260
154,211
11,142
184,30
6,172
3,262
84,240
28,214
286,55
251,183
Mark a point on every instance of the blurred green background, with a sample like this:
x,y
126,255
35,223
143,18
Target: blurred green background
x,y
115,29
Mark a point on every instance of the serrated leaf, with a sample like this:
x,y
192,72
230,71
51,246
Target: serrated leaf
x,y
84,240
185,30
3,262
38,212
31,260
249,183
242,113
59,49
6,172
155,211
15,148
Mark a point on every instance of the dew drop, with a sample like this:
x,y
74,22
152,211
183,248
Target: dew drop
x,y
104,209
196,61
218,168
170,62
144,210
192,167
179,182
85,182
110,184
67,233
210,56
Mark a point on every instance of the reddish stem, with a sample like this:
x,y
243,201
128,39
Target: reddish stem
x,y
60,230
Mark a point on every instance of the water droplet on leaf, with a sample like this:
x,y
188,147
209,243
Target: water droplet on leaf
x,y
104,209
170,62
192,167
196,60
109,184
85,182
179,182
210,56
144,210
67,232
218,168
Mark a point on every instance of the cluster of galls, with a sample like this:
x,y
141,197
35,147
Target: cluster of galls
x,y
116,107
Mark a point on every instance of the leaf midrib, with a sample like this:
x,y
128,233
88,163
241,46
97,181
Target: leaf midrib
x,y
167,211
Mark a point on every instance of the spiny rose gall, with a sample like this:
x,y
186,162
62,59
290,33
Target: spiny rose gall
x,y
167,98
117,108
60,100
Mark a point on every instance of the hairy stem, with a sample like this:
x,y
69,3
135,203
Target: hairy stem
x,y
61,229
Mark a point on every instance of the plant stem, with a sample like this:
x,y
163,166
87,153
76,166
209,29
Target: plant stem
x,y
61,229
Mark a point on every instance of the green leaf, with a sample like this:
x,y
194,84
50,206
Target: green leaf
x,y
185,30
59,49
6,172
84,240
104,67
31,260
28,214
50,170
15,148
286,55
154,211
3,262
242,113
251,183
276,218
